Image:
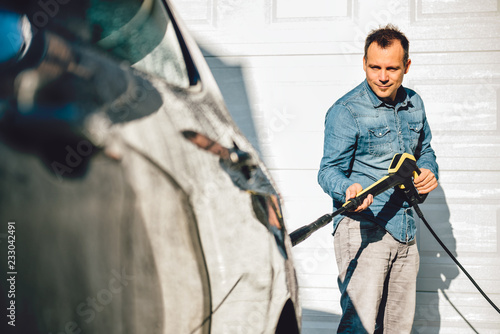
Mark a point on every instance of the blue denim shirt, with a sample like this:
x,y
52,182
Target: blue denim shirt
x,y
362,135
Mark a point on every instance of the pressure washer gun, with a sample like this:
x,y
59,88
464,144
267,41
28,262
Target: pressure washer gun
x,y
401,172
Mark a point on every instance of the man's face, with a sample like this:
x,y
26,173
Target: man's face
x,y
385,69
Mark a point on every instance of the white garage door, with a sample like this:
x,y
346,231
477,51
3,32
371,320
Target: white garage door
x,y
281,63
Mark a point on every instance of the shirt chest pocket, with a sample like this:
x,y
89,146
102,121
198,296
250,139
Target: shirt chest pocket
x,y
415,130
379,141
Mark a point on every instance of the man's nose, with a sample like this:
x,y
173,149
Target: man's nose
x,y
383,77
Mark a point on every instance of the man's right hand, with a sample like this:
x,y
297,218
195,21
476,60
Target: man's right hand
x,y
355,189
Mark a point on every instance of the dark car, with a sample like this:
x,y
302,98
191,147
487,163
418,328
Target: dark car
x,y
129,200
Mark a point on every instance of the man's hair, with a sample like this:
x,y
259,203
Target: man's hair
x,y
385,36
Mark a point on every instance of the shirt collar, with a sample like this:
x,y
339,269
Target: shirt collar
x,y
401,97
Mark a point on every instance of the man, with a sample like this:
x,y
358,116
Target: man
x,y
375,247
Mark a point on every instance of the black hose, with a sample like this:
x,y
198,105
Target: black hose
x,y
421,215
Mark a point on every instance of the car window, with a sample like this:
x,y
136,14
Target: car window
x,y
142,33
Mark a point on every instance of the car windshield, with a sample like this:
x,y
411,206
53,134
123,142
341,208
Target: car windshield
x,y
142,33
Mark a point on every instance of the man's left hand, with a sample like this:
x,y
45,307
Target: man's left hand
x,y
425,182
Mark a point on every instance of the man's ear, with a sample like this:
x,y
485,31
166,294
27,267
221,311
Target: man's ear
x,y
364,64
407,68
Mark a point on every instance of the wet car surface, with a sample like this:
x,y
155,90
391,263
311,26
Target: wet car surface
x,y
130,200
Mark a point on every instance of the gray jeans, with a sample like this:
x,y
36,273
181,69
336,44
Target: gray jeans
x,y
377,279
